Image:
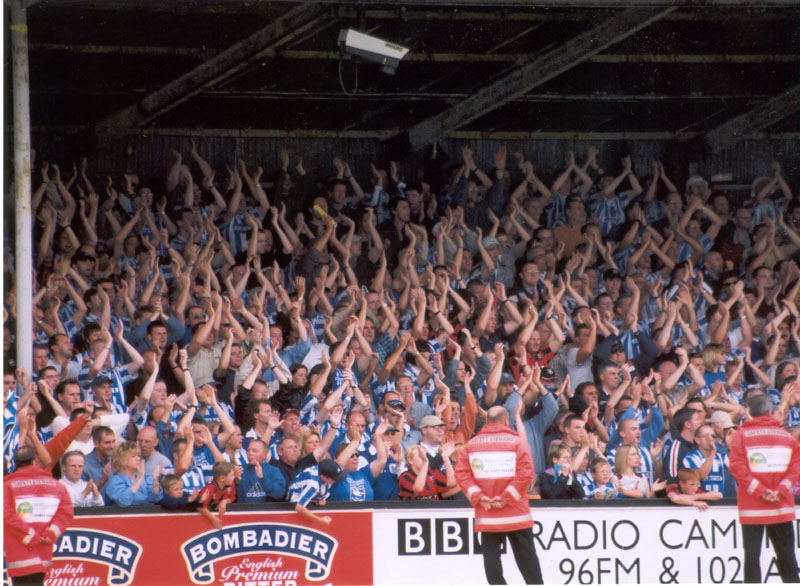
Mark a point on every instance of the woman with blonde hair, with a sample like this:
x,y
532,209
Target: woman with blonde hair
x,y
632,484
129,485
309,442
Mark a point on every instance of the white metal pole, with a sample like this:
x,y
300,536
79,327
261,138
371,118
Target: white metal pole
x,y
22,185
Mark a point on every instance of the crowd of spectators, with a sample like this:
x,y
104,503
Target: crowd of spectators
x,y
621,322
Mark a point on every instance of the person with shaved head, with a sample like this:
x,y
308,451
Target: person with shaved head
x,y
494,470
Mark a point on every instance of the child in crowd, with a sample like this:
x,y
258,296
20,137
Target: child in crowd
x,y
560,482
174,497
218,493
688,491
601,485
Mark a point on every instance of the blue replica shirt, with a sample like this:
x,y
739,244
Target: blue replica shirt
x,y
191,480
308,487
268,489
357,487
716,476
385,487
366,451
205,462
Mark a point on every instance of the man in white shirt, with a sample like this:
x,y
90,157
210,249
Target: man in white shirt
x,y
83,493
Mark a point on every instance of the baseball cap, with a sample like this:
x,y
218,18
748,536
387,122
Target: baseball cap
x,y
490,242
99,381
548,372
629,413
332,470
723,418
430,421
507,378
396,404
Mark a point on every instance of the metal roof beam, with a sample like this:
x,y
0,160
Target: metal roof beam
x,y
280,31
440,57
762,116
222,4
528,76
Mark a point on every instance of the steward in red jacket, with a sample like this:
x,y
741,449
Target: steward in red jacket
x,y
765,460
36,511
495,470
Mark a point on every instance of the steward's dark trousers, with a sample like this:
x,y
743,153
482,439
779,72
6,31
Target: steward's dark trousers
x,y
781,535
29,580
524,553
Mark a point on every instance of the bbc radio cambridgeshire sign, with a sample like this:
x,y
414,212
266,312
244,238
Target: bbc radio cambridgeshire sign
x,y
610,545
597,545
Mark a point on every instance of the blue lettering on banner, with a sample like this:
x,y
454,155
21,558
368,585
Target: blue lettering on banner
x,y
119,553
200,552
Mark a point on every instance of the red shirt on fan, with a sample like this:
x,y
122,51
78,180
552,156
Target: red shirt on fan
x,y
435,483
212,495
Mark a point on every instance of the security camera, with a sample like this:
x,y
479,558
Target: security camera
x,y
372,49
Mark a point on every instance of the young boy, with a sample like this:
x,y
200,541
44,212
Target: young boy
x,y
561,483
688,491
174,497
218,493
601,485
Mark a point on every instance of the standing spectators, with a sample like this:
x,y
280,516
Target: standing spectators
x,y
320,314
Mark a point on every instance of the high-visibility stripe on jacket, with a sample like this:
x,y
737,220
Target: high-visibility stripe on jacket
x,y
764,457
35,505
497,463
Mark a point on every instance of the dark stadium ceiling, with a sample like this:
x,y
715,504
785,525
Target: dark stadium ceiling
x,y
637,68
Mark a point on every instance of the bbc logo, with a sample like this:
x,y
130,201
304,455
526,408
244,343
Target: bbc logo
x,y
438,537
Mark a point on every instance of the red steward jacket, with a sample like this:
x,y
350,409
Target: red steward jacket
x,y
35,505
764,457
497,462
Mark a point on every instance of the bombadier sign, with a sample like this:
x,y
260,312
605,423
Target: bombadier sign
x,y
603,545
